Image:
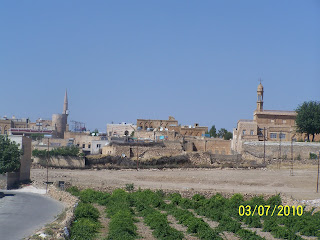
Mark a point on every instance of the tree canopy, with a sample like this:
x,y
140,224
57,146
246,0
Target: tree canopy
x,y
225,134
213,131
9,155
308,118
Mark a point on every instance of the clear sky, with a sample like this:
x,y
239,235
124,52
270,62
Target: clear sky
x,y
198,61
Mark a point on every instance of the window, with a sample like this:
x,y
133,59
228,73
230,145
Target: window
x,y
273,135
243,132
282,135
251,132
89,145
83,145
98,145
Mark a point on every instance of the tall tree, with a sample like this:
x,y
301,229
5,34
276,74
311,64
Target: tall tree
x,y
9,155
308,118
213,131
225,134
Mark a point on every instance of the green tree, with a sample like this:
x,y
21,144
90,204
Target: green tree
x,y
213,131
308,118
225,134
9,155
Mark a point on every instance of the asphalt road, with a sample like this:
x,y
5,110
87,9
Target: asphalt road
x,y
21,214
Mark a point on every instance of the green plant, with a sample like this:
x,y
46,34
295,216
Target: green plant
x,y
313,156
122,226
84,229
73,190
86,210
9,155
129,187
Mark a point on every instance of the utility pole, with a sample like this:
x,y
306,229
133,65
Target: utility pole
x,y
205,145
264,145
280,149
47,136
291,172
318,173
137,157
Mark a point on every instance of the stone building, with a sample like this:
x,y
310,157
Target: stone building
x,y
6,124
120,129
144,124
271,125
170,129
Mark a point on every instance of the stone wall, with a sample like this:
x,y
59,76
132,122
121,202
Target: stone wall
x,y
12,179
61,161
207,158
301,150
144,151
213,145
3,181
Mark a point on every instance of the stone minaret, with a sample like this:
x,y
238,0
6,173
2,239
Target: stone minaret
x,y
65,104
260,98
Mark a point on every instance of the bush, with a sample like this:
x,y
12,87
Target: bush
x,y
92,196
129,187
73,190
86,210
313,156
248,235
122,226
84,229
61,151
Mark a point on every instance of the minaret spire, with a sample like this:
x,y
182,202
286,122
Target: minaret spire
x,y
65,104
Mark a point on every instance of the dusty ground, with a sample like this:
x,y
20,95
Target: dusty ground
x,y
300,186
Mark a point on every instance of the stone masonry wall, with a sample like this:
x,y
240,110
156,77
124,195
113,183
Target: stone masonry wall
x,y
301,150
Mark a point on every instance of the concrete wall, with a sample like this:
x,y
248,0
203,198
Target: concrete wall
x,y
301,150
60,161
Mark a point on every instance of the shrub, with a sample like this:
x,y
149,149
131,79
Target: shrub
x,y
92,196
86,210
313,156
84,229
73,190
129,187
122,226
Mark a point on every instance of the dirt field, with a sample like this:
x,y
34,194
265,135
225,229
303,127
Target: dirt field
x,y
300,186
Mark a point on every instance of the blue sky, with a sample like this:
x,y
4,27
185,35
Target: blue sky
x,y
198,61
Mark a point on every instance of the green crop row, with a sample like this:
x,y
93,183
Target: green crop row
x,y
219,209
121,226
145,202
86,224
195,225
